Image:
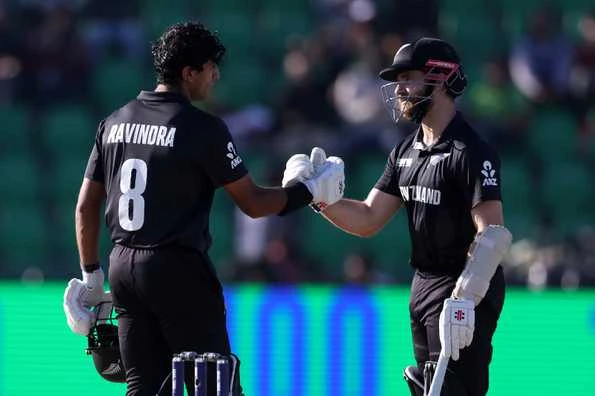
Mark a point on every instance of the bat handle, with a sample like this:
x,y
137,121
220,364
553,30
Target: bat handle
x,y
438,379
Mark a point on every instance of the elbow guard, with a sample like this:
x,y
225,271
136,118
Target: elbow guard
x,y
485,254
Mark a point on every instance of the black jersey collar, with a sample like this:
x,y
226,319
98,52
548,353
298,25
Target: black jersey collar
x,y
153,96
445,138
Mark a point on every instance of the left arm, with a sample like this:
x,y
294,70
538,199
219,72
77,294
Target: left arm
x,y
486,213
485,253
491,242
487,250
481,178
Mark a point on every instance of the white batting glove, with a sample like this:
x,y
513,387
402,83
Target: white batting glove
x,y
297,169
456,326
317,158
80,297
328,184
80,318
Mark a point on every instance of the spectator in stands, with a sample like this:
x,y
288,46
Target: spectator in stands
x,y
11,63
359,269
304,113
412,19
57,69
114,26
281,263
499,111
541,58
355,96
582,75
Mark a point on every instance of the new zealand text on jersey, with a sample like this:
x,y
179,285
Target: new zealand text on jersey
x,y
421,194
154,135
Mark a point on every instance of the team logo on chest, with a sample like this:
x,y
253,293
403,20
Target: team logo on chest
x,y
489,174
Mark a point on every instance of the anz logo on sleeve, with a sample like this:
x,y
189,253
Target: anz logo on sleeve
x,y
233,156
489,175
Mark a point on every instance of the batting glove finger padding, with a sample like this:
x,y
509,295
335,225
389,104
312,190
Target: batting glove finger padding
x,y
80,318
297,169
328,185
456,326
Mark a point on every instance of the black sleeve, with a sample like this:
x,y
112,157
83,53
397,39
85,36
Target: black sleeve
x,y
220,158
481,173
94,170
389,181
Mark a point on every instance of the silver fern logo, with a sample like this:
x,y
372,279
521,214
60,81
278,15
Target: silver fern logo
x,y
434,159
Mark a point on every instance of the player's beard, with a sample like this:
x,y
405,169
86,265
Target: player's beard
x,y
407,106
415,108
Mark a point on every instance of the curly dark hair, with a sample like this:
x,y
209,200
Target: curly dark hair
x,y
184,44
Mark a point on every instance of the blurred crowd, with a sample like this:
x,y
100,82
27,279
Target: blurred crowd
x,y
319,86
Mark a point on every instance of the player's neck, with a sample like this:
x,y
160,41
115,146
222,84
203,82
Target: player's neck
x,y
172,88
436,121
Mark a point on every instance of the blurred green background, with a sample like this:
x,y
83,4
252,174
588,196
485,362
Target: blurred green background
x,y
300,73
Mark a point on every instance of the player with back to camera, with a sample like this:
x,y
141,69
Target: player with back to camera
x,y
156,164
448,180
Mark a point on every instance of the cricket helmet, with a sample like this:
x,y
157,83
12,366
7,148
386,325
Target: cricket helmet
x,y
439,62
103,344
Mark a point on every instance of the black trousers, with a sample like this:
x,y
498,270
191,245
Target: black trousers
x,y
168,300
428,293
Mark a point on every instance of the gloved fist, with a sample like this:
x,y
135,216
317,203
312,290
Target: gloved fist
x,y
328,184
80,297
297,169
324,177
456,326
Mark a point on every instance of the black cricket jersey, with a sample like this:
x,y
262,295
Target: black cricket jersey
x,y
161,160
439,185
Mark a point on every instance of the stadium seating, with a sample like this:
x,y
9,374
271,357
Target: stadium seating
x,y
20,178
36,177
67,175
14,137
465,30
362,173
568,193
553,135
117,81
326,245
518,184
68,131
24,237
157,15
520,196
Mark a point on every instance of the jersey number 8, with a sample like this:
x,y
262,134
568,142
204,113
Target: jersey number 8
x,y
131,206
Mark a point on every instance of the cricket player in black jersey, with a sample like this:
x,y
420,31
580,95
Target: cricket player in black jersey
x,y
448,180
156,163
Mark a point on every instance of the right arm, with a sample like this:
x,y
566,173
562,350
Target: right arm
x,y
364,218
88,222
257,201
325,188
